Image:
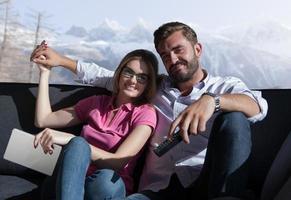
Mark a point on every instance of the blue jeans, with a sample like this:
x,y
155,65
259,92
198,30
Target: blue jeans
x,y
72,182
225,168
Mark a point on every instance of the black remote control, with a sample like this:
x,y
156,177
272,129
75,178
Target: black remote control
x,y
167,144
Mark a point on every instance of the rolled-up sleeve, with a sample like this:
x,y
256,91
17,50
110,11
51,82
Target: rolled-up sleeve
x,y
233,85
257,96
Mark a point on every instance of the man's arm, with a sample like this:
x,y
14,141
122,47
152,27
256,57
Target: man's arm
x,y
53,58
234,96
93,74
88,73
194,118
239,102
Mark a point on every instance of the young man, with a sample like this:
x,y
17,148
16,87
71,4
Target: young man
x,y
187,99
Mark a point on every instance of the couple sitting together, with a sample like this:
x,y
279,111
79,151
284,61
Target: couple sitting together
x,y
212,114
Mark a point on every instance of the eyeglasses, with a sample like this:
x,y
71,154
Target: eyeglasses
x,y
140,78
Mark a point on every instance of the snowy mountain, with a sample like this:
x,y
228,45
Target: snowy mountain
x,y
77,31
270,36
112,31
140,33
105,31
257,53
258,69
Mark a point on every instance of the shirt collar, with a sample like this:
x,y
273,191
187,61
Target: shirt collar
x,y
169,83
127,106
202,83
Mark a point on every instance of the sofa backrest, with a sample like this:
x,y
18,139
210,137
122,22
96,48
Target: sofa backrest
x,y
17,101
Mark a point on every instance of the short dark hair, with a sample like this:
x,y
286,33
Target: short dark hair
x,y
165,30
152,64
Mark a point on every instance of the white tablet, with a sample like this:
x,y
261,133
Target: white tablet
x,y
20,150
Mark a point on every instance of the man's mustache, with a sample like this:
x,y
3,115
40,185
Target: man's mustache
x,y
179,62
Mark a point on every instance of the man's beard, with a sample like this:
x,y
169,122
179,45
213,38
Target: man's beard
x,y
192,67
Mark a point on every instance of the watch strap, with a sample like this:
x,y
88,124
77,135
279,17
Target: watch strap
x,y
216,100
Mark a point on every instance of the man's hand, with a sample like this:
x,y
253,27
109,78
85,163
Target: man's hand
x,y
194,118
52,58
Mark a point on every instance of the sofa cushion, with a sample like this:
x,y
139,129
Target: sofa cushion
x,y
17,188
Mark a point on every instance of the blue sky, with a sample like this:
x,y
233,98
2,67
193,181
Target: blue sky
x,y
208,14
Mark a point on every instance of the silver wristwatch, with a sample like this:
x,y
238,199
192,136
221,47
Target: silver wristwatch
x,y
216,99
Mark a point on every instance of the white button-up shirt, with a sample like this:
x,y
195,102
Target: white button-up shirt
x,y
185,160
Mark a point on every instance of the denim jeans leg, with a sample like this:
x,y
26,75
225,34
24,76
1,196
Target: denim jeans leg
x,y
145,195
75,159
104,184
228,153
175,190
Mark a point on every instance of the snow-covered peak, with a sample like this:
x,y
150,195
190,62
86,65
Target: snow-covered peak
x,y
141,22
77,31
111,25
107,30
140,32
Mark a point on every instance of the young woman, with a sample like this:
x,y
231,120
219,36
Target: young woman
x,y
100,163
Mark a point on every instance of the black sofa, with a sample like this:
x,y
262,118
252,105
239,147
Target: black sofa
x,y
17,101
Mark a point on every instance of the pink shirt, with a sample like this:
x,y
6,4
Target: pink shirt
x,y
108,135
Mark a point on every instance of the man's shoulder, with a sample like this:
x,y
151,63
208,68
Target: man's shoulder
x,y
224,79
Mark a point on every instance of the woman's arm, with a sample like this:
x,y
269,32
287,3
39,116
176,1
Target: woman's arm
x,y
44,117
48,137
127,150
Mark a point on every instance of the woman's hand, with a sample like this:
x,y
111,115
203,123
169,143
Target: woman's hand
x,y
52,58
48,137
43,68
